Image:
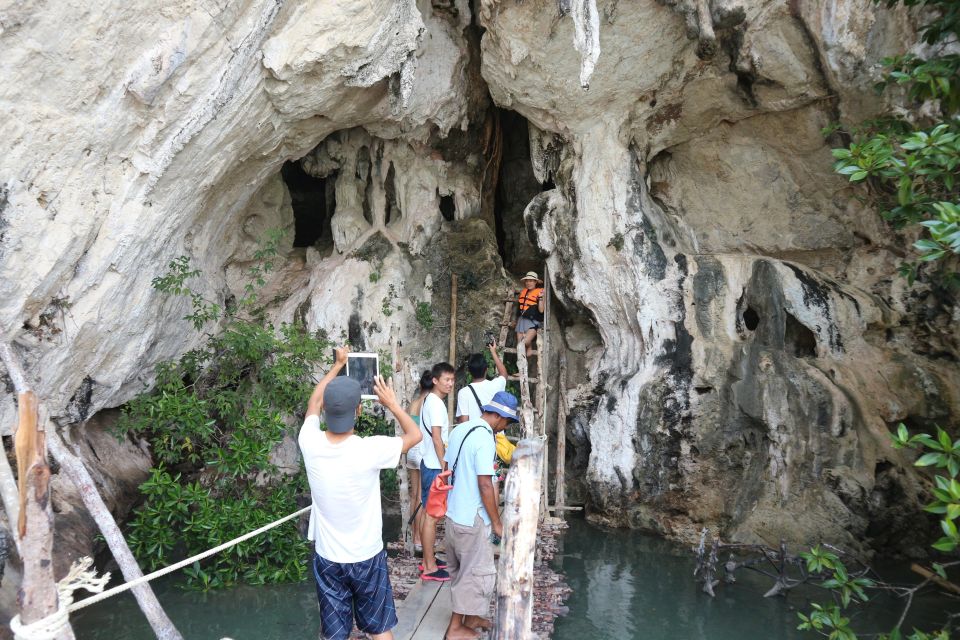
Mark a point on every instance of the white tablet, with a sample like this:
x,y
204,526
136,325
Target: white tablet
x,y
362,367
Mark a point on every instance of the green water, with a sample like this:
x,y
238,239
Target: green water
x,y
626,586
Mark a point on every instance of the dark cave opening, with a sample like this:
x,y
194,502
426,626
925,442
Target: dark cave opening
x,y
751,320
448,208
799,339
314,202
516,187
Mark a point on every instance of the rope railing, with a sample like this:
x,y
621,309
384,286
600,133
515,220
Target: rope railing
x,y
46,628
183,563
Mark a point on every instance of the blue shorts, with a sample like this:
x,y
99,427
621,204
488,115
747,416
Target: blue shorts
x,y
426,479
358,590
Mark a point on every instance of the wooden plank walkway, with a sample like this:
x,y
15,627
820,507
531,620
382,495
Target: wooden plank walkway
x,y
424,613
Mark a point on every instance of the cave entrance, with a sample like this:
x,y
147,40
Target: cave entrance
x,y
516,187
313,201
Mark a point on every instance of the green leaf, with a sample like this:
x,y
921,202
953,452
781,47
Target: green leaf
x,y
928,459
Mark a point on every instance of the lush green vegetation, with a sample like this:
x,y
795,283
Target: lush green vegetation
x,y
213,420
831,620
909,159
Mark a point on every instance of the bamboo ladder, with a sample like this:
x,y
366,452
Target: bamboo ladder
x,y
539,426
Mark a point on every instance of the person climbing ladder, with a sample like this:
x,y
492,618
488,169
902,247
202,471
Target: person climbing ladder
x,y
530,312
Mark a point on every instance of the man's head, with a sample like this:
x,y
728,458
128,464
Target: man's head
x,y
501,411
443,375
477,366
341,404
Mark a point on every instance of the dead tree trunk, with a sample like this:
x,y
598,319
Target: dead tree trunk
x,y
403,474
514,615
526,407
78,474
38,596
73,467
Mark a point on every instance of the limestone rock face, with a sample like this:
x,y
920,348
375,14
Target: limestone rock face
x,y
738,337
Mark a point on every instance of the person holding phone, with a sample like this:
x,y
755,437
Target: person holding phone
x,y
349,563
480,391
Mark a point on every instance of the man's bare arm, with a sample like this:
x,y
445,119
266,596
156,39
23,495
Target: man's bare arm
x,y
315,404
438,444
489,498
388,398
497,362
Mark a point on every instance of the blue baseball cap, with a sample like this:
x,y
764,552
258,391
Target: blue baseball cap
x,y
503,404
340,401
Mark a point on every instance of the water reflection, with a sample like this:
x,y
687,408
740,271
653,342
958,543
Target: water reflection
x,y
627,586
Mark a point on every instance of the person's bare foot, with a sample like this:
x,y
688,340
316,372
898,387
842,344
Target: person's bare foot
x,y
478,623
456,630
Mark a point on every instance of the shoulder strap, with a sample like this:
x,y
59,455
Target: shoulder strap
x,y
475,397
453,469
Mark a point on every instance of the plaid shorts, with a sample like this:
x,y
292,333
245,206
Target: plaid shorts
x,y
358,590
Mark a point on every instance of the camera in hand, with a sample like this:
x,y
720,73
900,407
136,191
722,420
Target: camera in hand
x,y
488,338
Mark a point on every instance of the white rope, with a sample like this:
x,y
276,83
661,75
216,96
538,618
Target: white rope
x,y
183,563
80,576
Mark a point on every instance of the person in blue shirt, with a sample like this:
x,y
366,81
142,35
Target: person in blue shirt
x,y
472,514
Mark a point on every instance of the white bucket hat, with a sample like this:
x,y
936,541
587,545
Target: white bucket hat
x,y
531,275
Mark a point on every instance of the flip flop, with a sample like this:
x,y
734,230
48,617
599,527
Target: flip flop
x,y
440,565
440,575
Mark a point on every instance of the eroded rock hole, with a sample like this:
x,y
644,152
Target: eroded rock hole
x,y
313,201
799,339
516,187
751,320
448,207
391,211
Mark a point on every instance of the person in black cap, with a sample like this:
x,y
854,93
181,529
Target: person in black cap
x,y
472,516
346,524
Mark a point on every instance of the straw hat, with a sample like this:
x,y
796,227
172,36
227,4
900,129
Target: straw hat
x,y
531,275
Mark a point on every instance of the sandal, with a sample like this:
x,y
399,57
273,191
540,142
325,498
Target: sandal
x,y
440,575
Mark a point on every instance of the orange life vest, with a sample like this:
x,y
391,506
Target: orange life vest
x,y
529,298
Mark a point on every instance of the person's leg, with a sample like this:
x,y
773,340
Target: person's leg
x,y
457,537
472,591
530,337
334,598
374,609
428,538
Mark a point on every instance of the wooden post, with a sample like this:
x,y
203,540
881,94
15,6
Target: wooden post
x,y
514,613
526,409
38,596
9,492
73,467
560,497
403,474
542,350
451,397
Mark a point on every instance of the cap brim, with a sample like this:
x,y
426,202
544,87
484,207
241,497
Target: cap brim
x,y
501,413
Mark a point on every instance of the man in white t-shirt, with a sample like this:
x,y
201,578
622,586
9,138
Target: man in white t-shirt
x,y
434,428
480,389
346,524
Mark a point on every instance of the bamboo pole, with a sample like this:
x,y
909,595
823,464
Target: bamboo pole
x,y
73,467
451,397
514,612
38,596
560,489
